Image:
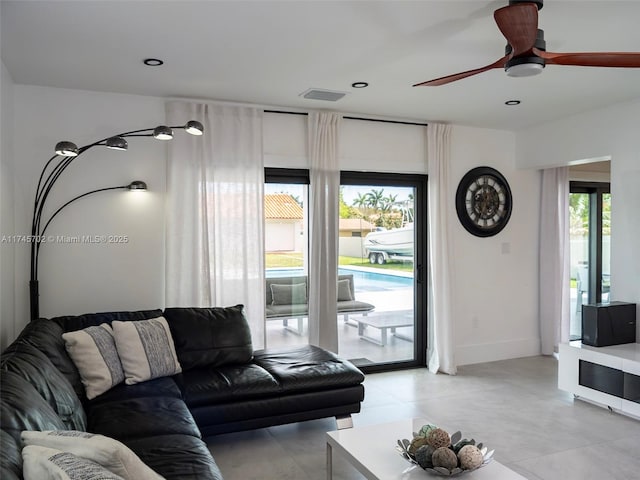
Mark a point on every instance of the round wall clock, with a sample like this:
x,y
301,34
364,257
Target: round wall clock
x,y
483,201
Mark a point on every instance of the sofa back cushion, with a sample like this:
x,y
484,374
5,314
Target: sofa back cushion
x,y
10,457
22,407
31,364
78,322
210,336
46,336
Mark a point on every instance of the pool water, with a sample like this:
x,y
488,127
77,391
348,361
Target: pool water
x,y
363,281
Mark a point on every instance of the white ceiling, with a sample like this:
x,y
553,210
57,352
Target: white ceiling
x,y
268,52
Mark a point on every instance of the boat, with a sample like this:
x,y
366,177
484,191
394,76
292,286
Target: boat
x,y
393,244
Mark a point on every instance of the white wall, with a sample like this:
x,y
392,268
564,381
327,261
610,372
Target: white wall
x,y
496,278
79,278
495,292
364,145
613,133
8,328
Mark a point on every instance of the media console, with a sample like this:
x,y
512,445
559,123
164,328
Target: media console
x,y
607,376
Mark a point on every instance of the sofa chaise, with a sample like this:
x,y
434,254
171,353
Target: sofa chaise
x,y
224,386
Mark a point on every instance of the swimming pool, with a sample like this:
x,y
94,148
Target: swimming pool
x,y
364,281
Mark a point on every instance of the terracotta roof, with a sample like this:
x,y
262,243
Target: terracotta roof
x,y
281,205
355,224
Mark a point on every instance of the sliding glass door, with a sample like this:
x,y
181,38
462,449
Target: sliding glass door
x,y
590,240
382,251
381,284
286,257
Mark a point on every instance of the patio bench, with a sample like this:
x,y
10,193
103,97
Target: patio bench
x,y
288,298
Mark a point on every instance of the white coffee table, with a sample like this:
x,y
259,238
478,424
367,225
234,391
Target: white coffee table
x,y
371,450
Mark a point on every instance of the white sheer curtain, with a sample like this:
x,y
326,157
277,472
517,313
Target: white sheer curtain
x,y
324,175
554,259
215,219
441,211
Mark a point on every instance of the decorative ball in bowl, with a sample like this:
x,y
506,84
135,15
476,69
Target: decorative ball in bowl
x,y
435,451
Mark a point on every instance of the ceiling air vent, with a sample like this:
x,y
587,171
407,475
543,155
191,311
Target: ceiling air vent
x,y
320,94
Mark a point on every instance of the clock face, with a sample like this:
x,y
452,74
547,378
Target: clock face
x,y
483,201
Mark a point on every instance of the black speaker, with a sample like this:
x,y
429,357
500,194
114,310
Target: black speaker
x,y
606,324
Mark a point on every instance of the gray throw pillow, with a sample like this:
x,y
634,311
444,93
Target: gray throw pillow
x,y
146,349
344,291
292,294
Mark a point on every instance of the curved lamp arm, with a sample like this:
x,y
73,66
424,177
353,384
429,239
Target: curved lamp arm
x,y
135,185
52,171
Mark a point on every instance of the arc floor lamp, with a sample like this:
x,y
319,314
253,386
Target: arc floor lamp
x,y
66,153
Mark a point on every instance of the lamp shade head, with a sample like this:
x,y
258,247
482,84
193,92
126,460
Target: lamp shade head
x,y
137,185
162,132
117,143
194,127
67,149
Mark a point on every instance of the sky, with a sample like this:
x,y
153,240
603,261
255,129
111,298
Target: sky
x,y
350,192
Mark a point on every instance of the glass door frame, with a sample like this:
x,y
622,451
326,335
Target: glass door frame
x,y
595,190
419,183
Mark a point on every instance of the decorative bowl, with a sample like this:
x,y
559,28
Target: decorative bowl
x,y
404,447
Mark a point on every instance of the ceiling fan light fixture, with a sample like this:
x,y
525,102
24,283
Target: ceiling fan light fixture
x,y
524,69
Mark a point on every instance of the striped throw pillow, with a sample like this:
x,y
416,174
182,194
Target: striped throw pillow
x,y
107,452
93,351
42,463
146,349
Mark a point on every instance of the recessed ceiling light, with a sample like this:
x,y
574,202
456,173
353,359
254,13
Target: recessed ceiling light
x,y
153,62
359,84
512,102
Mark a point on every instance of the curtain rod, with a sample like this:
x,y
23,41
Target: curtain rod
x,y
400,122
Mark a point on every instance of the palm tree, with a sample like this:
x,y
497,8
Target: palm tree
x,y
374,198
387,203
360,201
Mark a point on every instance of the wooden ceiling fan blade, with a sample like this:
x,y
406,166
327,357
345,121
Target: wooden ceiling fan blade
x,y
459,76
519,25
592,59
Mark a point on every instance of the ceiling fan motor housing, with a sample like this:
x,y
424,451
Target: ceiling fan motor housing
x,y
527,59
539,3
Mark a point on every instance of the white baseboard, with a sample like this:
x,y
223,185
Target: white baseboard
x,y
491,352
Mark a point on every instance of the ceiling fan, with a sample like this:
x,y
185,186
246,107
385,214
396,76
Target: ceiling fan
x,y
525,53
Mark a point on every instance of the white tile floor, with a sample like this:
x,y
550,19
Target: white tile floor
x,y
513,406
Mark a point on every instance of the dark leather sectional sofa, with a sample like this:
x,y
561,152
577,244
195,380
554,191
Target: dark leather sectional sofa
x,y
164,420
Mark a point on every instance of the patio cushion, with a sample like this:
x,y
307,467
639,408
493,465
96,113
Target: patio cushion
x,y
294,294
